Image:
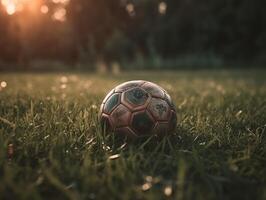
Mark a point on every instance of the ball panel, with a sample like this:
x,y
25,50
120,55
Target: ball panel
x,y
142,123
128,85
136,96
108,95
159,109
120,116
169,101
126,131
135,99
153,89
161,128
106,124
111,103
138,108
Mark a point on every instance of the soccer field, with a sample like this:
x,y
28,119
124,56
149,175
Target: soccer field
x,y
52,147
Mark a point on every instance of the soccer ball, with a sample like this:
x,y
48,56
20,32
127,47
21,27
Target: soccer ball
x,y
138,108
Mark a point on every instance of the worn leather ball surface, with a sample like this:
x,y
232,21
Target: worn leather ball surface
x,y
138,108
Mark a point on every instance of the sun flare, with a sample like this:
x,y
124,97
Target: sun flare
x,y
12,6
36,6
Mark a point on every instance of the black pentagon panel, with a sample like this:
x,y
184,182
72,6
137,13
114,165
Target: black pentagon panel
x,y
142,123
128,85
153,89
111,103
169,101
159,109
136,96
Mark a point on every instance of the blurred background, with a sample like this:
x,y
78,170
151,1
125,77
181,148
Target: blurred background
x,y
114,35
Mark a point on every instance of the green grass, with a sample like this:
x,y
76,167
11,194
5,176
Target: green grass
x,y
217,152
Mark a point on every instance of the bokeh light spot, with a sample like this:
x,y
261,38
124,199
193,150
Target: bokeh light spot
x,y
63,86
3,84
64,79
130,9
60,15
44,9
10,9
162,8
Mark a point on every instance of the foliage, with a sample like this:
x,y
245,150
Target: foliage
x,y
119,30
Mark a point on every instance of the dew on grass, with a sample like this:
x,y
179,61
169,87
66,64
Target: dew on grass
x,y
146,186
114,157
106,147
90,141
202,143
46,137
238,113
122,146
149,179
94,107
